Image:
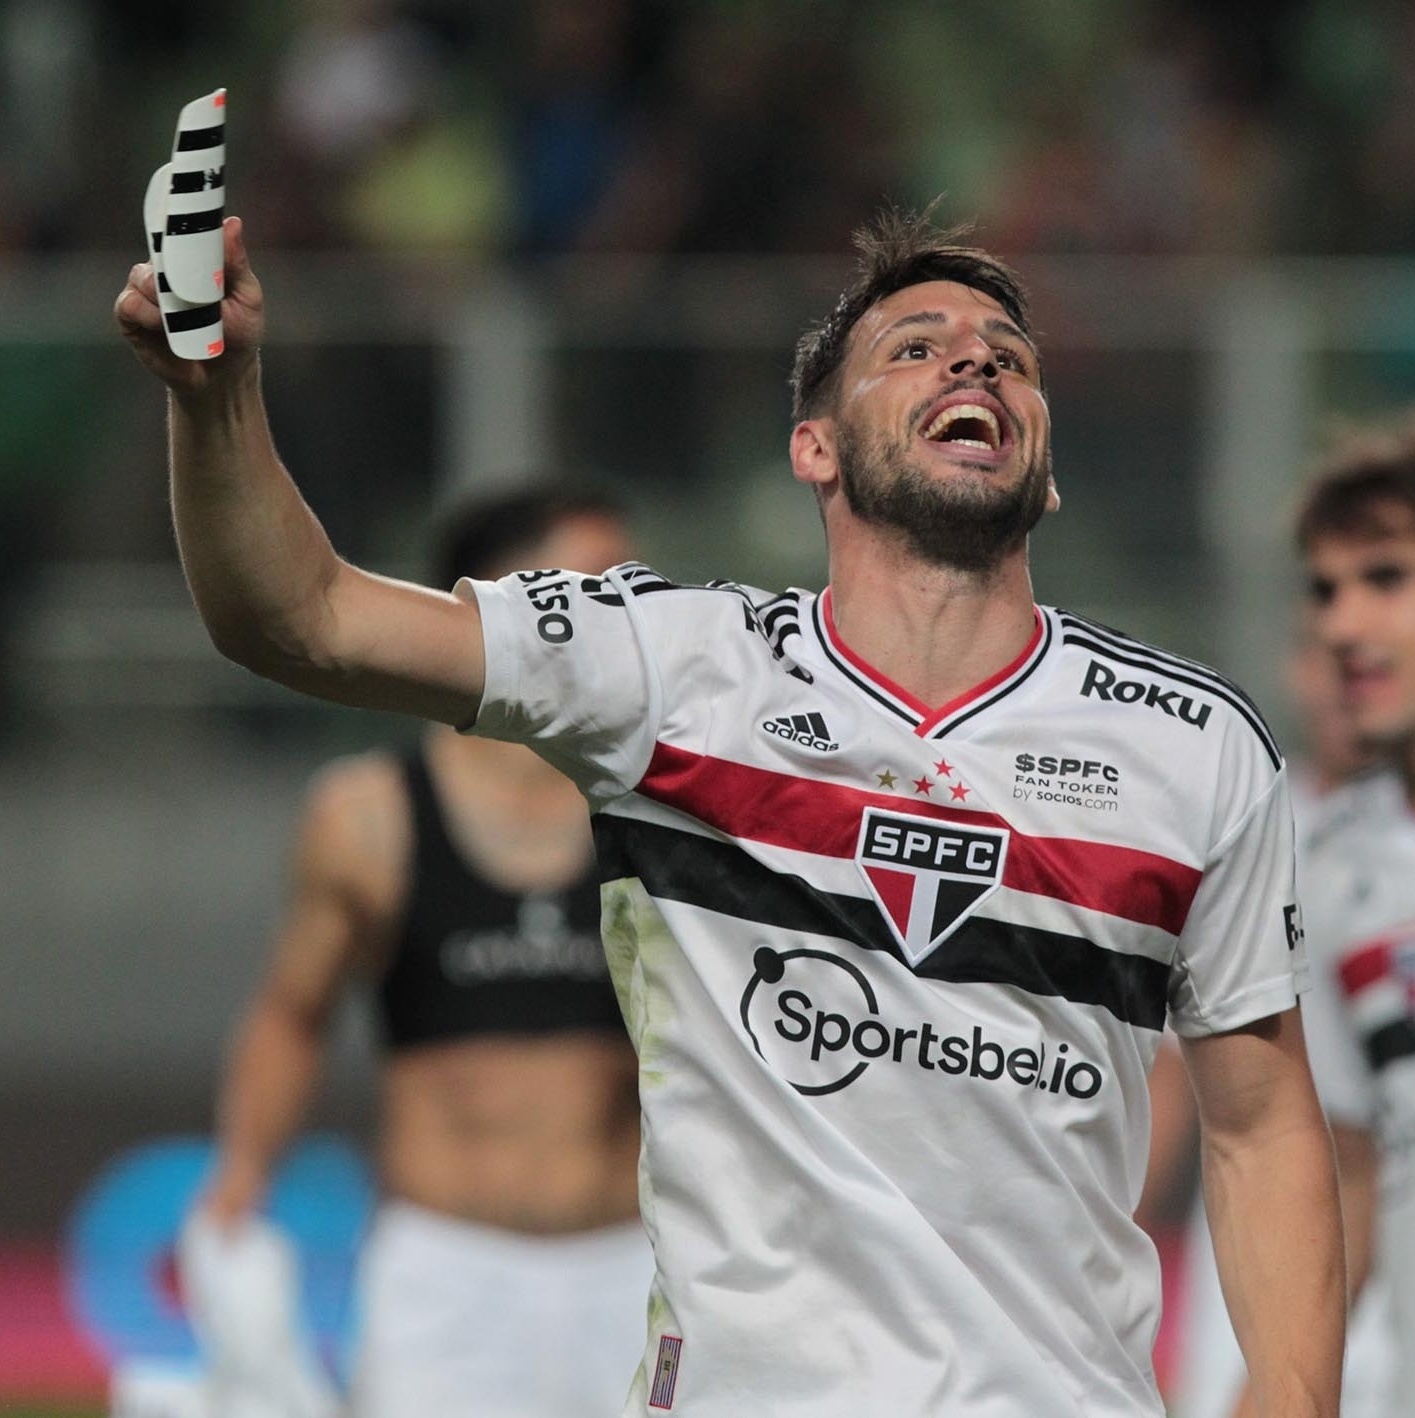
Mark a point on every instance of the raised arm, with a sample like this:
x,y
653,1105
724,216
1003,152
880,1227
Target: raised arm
x,y
273,593
346,892
1271,1193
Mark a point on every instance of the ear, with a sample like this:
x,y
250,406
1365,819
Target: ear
x,y
813,458
1053,503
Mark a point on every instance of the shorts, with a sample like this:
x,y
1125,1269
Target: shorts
x,y
460,1320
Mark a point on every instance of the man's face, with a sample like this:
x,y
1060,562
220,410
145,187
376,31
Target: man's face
x,y
1362,595
942,430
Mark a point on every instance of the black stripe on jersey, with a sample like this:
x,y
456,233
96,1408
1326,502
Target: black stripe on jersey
x,y
643,580
779,608
1206,680
1004,689
634,575
197,318
189,223
719,876
780,618
190,140
854,676
1122,641
1390,1042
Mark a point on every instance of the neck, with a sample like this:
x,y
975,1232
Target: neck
x,y
935,631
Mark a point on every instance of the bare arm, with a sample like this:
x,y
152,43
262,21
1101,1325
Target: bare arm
x,y
1271,1193
347,878
273,593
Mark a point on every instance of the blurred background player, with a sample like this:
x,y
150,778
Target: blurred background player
x,y
1356,533
1354,682
506,1269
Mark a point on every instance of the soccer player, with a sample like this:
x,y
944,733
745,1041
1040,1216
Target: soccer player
x,y
1356,533
506,1270
900,882
1209,1375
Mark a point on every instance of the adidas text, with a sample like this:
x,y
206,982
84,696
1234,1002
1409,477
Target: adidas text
x,y
808,730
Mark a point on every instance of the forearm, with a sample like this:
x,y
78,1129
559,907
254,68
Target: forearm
x,y
257,560
1275,1219
270,1079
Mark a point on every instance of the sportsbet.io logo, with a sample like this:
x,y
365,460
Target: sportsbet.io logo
x,y
815,1020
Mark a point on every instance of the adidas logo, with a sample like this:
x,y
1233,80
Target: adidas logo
x,y
808,730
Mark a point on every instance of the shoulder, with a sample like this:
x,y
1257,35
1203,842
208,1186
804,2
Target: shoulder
x,y
1371,802
1160,689
638,582
706,607
355,815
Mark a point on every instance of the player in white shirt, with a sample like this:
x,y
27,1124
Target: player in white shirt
x,y
901,881
1208,1372
1356,531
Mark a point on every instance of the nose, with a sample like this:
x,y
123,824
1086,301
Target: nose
x,y
971,353
1339,623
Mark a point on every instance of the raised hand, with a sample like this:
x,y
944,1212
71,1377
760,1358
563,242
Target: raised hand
x,y
242,315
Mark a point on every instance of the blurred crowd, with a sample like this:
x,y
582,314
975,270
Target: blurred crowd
x,y
673,126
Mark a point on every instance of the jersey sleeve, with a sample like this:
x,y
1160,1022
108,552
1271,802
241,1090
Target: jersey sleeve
x,y
570,673
1241,954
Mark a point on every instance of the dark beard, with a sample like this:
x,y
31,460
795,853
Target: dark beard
x,y
968,528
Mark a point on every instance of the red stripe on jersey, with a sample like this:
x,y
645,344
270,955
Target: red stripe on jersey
x,y
806,815
932,718
1367,965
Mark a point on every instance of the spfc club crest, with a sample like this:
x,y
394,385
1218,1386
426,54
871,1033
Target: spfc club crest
x,y
927,877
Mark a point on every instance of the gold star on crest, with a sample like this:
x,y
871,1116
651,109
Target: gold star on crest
x,y
886,779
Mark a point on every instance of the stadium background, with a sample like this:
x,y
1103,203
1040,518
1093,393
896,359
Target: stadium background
x,y
498,237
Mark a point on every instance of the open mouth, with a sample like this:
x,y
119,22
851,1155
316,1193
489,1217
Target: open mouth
x,y
965,426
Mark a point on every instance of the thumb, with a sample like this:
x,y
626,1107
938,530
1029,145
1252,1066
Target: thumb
x,y
238,263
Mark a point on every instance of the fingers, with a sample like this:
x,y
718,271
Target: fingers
x,y
136,306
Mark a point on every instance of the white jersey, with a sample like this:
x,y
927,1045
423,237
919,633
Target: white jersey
x,y
1360,881
896,976
1335,862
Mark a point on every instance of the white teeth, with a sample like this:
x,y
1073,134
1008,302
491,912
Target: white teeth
x,y
953,413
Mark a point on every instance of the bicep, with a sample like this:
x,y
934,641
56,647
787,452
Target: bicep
x,y
1252,1079
399,646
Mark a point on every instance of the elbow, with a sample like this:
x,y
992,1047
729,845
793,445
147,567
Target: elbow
x,y
272,653
292,645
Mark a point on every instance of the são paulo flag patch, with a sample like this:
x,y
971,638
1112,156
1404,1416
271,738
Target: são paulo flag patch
x,y
927,877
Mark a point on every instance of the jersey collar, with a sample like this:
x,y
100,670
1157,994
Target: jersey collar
x,y
925,721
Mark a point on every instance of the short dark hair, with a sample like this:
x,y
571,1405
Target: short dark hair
x,y
1370,471
485,535
896,250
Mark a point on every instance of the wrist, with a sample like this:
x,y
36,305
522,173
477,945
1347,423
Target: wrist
x,y
220,395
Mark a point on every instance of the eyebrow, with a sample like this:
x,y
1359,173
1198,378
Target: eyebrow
x,y
993,326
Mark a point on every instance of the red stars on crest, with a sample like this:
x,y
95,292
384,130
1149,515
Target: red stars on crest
x,y
924,785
